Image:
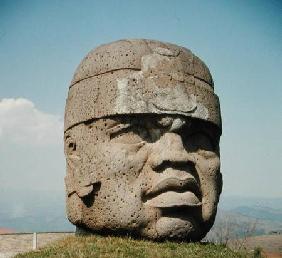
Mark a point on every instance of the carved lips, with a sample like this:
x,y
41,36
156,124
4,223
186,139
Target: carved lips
x,y
173,189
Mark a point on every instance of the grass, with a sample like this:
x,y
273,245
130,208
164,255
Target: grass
x,y
99,246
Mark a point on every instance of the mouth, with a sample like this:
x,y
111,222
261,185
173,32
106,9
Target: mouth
x,y
173,189
172,199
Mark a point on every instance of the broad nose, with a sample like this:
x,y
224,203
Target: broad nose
x,y
169,148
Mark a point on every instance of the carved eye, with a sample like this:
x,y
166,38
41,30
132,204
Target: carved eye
x,y
199,141
126,133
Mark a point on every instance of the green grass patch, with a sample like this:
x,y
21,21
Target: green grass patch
x,y
99,246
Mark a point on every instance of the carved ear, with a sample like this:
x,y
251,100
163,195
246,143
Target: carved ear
x,y
73,163
70,145
75,183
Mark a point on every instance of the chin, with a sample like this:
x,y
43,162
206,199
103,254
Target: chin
x,y
175,229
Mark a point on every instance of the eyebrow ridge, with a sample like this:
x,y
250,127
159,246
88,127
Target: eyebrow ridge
x,y
119,126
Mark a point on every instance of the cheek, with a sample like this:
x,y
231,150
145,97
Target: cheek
x,y
208,169
207,164
119,197
123,161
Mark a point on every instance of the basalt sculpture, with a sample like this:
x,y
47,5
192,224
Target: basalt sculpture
x,y
142,129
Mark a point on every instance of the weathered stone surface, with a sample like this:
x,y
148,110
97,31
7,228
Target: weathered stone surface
x,y
142,129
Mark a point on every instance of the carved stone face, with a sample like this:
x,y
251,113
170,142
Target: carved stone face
x,y
155,176
142,128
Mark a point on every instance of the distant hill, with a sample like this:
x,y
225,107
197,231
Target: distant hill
x,y
231,202
258,212
240,217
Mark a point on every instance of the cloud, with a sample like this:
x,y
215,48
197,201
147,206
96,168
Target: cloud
x,y
22,123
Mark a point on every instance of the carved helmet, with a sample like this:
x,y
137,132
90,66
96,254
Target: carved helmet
x,y
141,77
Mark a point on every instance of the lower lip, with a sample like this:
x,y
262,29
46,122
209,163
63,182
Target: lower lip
x,y
174,199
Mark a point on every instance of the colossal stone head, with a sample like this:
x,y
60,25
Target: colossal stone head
x,y
142,129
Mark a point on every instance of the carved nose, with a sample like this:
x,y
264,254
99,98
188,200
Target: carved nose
x,y
169,149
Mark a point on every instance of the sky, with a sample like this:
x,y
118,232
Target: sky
x,y
42,43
